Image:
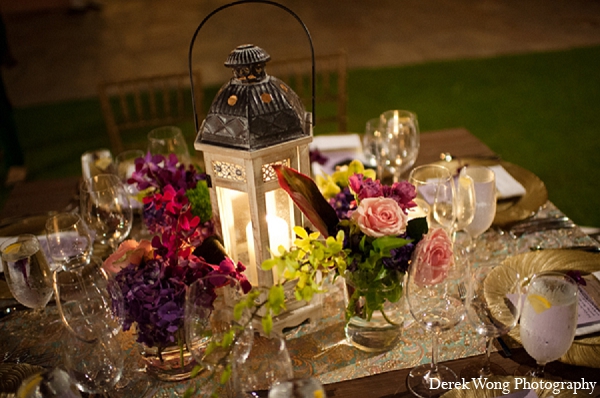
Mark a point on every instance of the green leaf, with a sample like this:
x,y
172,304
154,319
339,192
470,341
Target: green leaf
x,y
212,250
306,195
385,244
267,324
226,374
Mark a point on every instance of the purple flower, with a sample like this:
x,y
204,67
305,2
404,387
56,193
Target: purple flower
x,y
343,203
400,258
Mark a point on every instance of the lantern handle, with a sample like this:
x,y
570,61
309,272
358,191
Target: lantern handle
x,y
223,7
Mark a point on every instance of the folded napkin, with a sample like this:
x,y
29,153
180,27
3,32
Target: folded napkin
x,y
506,185
336,148
588,315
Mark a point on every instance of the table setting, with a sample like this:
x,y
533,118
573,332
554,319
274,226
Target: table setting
x,y
393,262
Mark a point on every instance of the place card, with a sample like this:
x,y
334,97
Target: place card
x,y
506,185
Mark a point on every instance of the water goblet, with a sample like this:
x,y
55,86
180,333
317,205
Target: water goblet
x,y
91,309
105,207
426,179
434,299
549,318
398,144
27,272
69,240
493,307
166,140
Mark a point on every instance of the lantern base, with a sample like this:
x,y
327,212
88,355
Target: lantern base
x,y
282,323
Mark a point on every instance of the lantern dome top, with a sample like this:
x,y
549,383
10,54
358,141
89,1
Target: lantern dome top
x,y
246,54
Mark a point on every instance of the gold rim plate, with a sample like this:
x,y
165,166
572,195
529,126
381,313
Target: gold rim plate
x,y
511,383
509,211
585,350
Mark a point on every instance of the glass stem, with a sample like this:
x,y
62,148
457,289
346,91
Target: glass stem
x,y
434,355
539,370
486,370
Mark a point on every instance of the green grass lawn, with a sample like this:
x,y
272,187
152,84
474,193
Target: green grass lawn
x,y
539,111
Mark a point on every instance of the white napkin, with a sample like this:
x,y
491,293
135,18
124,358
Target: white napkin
x,y
506,185
336,148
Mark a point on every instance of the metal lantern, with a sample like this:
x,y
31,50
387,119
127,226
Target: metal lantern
x,y
256,121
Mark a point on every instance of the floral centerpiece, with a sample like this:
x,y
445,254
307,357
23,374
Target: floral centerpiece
x,y
154,276
368,238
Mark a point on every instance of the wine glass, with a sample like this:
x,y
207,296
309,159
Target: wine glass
x,y
166,140
549,318
209,319
27,272
267,364
426,180
493,307
398,144
106,209
69,240
485,201
433,294
91,309
454,206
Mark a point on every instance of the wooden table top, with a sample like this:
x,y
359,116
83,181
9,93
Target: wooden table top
x,y
37,197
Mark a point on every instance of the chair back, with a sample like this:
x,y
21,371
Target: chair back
x,y
330,87
131,108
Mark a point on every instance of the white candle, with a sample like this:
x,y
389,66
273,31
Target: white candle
x,y
279,235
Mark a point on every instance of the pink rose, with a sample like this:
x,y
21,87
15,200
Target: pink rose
x,y
128,252
378,217
432,258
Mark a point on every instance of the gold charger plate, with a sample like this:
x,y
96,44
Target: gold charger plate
x,y
513,384
585,350
509,211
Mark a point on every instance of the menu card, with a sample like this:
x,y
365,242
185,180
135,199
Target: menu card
x,y
588,312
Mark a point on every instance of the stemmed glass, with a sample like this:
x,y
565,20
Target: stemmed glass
x,y
485,193
91,309
426,179
166,140
434,300
27,272
549,318
454,204
106,209
493,307
398,144
69,240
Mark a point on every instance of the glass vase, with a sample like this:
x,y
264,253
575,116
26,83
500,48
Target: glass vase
x,y
172,363
382,331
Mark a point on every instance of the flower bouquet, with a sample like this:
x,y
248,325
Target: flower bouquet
x,y
369,241
154,276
